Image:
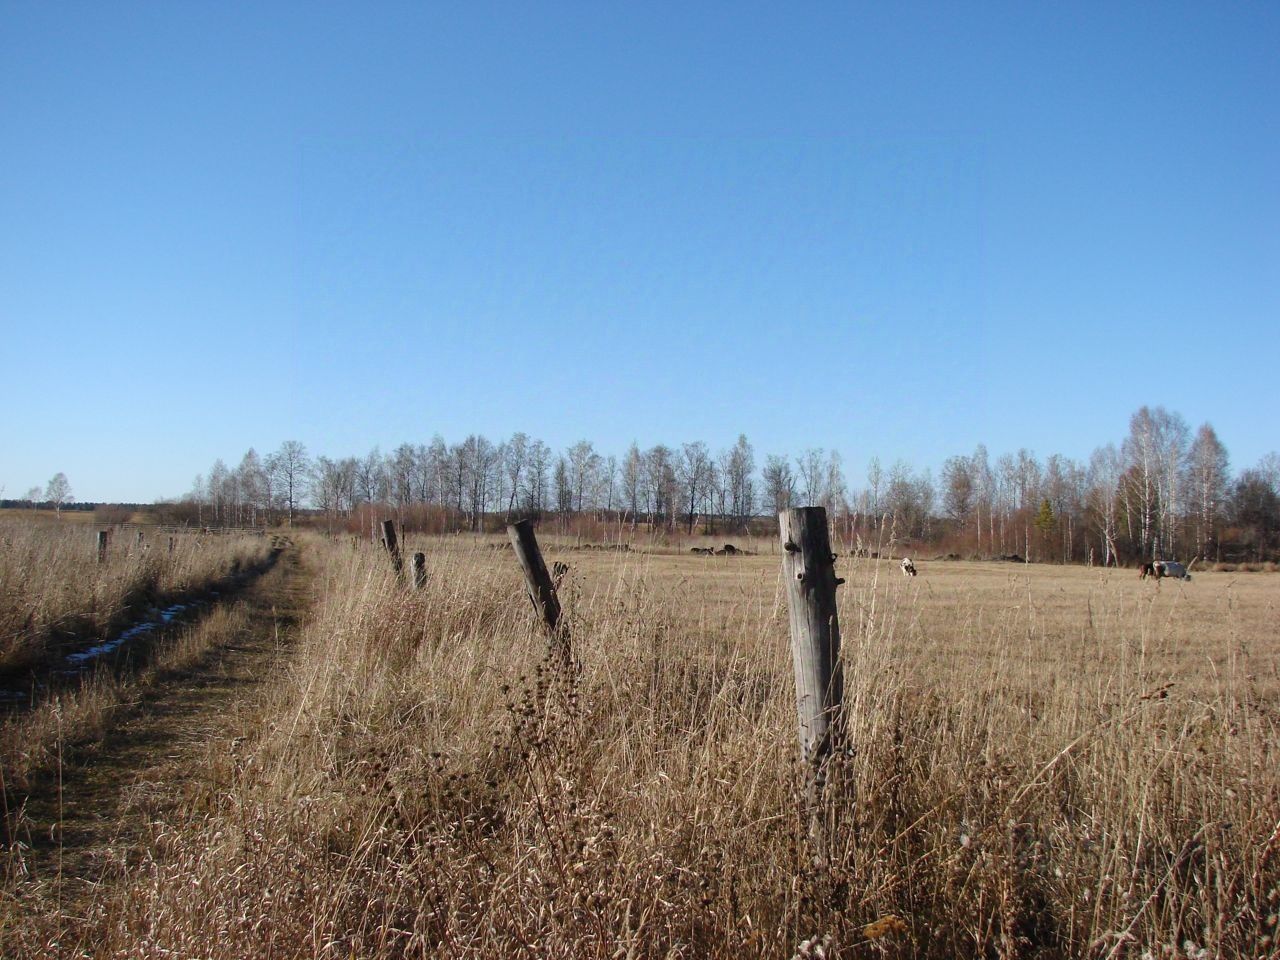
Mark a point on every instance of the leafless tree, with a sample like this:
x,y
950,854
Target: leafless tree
x,y
251,477
875,477
738,468
1269,467
583,464
1063,486
539,476
779,483
1208,480
1106,472
958,489
660,484
834,494
1255,510
58,492
693,473
633,480
334,486
222,493
400,472
290,466
810,467
482,469
515,461
984,485
564,487
437,468
369,477
909,498
606,484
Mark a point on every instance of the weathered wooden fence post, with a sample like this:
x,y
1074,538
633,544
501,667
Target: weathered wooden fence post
x,y
102,546
419,570
392,543
171,544
542,592
809,568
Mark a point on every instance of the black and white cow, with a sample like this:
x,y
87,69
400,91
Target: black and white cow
x,y
1165,568
908,568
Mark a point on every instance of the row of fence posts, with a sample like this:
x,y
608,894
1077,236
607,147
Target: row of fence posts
x,y
808,565
104,542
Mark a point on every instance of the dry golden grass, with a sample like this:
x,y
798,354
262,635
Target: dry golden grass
x,y
1049,762
53,591
32,741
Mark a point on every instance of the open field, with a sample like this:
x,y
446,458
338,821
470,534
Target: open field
x,y
1047,761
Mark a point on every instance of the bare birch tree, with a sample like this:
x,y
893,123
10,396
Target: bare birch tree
x,y
291,467
1104,478
1208,479
633,480
58,492
515,461
694,474
779,483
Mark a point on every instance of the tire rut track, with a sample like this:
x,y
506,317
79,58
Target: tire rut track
x,y
80,822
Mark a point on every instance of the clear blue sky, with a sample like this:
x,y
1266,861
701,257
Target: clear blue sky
x,y
888,229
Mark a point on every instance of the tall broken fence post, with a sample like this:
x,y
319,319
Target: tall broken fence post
x,y
542,591
392,544
102,546
809,568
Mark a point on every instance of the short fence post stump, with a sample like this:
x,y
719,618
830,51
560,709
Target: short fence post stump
x,y
419,570
102,546
809,568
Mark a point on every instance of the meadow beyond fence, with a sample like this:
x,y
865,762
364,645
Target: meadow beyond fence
x,y
1040,762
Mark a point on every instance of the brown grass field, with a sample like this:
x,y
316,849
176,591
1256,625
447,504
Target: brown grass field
x,y
1045,762
55,594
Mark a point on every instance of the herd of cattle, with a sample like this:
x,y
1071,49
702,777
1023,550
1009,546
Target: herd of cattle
x,y
1159,569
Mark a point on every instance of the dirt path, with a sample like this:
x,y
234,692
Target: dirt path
x,y
153,759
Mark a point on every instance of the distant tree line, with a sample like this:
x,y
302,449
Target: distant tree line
x,y
1163,492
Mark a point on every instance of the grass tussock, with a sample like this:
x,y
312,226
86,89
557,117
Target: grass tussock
x,y
1024,781
54,591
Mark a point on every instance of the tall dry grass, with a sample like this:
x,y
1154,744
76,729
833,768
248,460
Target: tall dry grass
x,y
1037,772
53,590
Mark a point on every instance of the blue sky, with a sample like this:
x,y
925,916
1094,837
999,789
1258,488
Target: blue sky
x,y
888,229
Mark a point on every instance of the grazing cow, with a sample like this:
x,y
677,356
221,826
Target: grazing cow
x,y
1171,568
1165,568
1147,570
908,568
